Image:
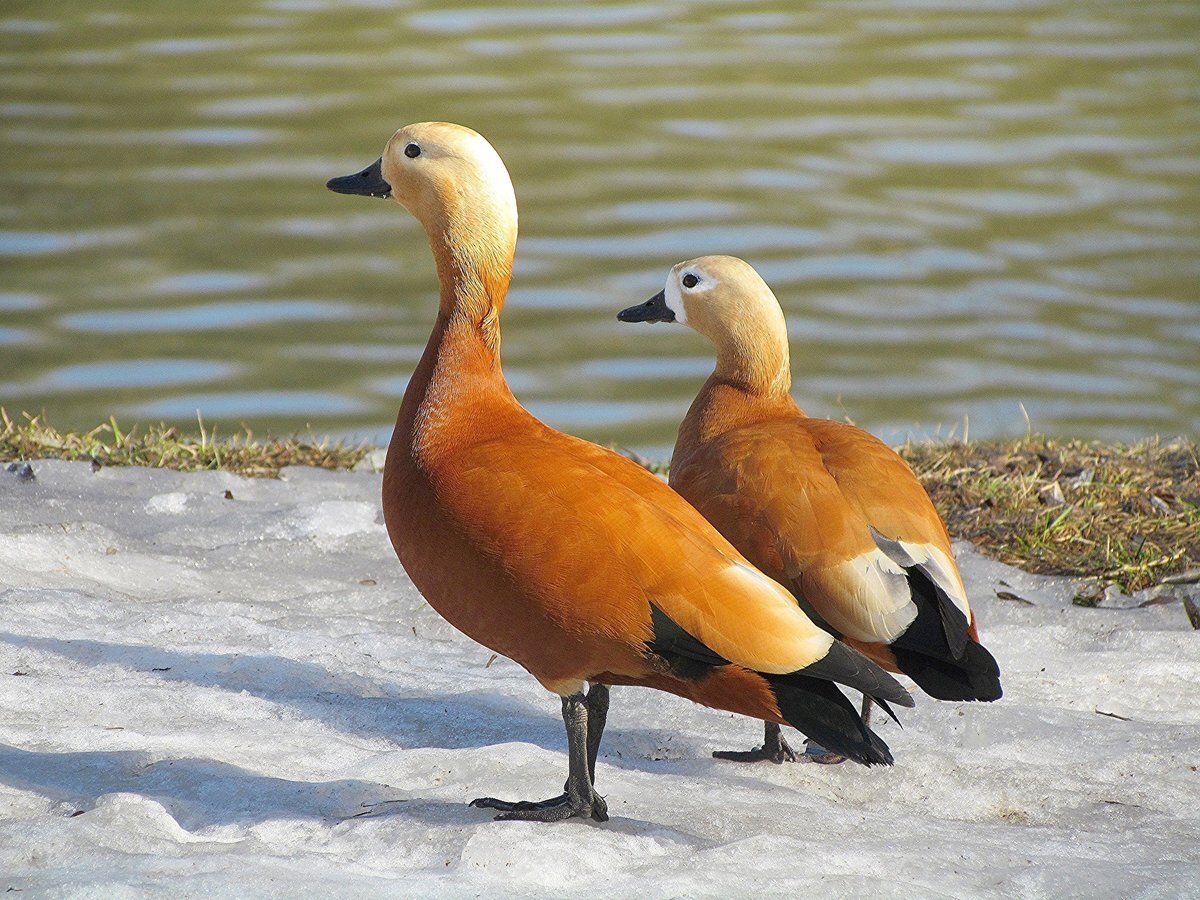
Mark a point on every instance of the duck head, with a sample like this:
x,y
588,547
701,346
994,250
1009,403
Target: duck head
x,y
431,166
455,184
724,299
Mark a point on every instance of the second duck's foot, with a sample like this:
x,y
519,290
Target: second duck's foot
x,y
762,754
556,809
774,749
814,752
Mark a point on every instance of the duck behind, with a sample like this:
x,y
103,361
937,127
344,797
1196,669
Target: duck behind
x,y
567,558
822,507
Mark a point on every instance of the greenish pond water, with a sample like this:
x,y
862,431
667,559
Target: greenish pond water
x,y
971,211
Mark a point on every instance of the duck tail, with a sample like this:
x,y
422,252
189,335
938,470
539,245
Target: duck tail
x,y
818,709
940,649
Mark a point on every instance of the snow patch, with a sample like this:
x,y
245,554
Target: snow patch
x,y
332,519
248,697
172,503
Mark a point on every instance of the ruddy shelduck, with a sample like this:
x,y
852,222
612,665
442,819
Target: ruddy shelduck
x,y
822,507
559,554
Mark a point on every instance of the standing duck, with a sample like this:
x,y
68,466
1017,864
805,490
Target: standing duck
x,y
820,506
561,555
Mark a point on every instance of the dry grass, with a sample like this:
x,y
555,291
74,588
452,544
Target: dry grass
x,y
1129,515
158,446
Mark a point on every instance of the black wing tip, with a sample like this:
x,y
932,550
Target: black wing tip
x,y
818,709
885,759
874,753
849,667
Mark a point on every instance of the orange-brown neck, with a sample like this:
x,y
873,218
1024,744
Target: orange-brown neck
x,y
758,368
725,404
474,260
748,331
457,392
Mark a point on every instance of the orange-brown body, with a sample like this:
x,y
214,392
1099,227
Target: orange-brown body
x,y
544,547
822,507
496,520
799,496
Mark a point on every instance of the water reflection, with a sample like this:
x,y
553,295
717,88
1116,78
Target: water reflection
x,y
123,374
968,209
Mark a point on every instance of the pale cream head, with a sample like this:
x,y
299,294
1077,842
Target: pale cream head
x,y
439,172
724,299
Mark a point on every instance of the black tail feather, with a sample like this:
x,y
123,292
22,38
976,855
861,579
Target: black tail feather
x,y
937,652
807,699
975,676
817,708
886,707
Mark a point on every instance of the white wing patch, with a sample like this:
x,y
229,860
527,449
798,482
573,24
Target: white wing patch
x,y
880,606
936,564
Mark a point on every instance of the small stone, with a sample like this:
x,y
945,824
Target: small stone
x,y
228,495
23,469
1052,495
1191,576
1160,595
1115,598
1084,477
1192,608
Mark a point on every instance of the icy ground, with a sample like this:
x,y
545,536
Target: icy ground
x,y
212,693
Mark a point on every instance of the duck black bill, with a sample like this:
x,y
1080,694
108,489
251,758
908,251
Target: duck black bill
x,y
653,310
368,183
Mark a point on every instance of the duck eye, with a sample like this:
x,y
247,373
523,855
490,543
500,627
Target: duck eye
x,y
690,280
412,151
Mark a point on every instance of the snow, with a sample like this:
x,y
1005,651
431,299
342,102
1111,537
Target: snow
x,y
212,685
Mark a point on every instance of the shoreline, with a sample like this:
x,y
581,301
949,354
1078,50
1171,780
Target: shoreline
x,y
1123,517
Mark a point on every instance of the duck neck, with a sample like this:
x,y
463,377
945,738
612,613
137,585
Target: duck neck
x,y
756,362
474,266
461,363
751,383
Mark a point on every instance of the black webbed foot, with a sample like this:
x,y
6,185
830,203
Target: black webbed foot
x,y
556,809
578,799
775,749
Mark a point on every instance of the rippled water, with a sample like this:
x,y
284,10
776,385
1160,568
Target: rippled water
x,y
968,209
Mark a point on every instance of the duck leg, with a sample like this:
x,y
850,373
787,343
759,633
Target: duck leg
x,y
774,749
579,799
597,713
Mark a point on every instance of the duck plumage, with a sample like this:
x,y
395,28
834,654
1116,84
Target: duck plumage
x,y
823,507
562,555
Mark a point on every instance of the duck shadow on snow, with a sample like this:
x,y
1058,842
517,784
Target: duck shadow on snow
x,y
350,703
205,792
201,793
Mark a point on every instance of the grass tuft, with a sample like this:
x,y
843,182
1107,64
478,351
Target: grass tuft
x,y
1129,515
160,446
